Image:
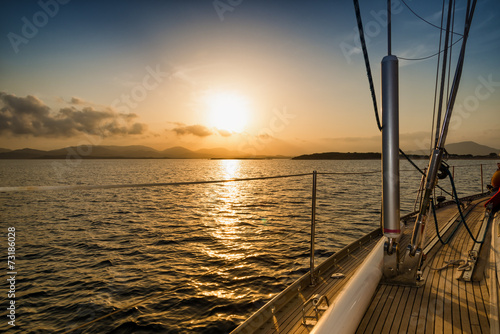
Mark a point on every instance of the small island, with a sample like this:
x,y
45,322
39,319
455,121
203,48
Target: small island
x,y
378,156
339,156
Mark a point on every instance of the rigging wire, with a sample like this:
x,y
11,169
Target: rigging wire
x,y
458,74
437,77
443,72
451,52
432,55
421,171
420,17
367,61
370,78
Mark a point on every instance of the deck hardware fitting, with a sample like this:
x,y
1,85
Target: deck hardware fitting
x,y
317,302
337,275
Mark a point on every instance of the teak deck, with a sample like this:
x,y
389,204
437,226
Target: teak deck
x,y
443,304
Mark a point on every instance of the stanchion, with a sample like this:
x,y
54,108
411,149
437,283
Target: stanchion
x,y
313,227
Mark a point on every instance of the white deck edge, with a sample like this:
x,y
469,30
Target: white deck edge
x,y
347,310
494,276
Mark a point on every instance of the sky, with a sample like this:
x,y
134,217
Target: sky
x,y
260,76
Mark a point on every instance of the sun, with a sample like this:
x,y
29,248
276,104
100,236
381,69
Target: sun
x,y
227,111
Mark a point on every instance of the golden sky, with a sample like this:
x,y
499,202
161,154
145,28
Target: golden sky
x,y
281,77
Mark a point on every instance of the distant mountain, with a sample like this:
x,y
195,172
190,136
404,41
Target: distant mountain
x,y
25,153
3,150
179,152
470,147
123,152
134,151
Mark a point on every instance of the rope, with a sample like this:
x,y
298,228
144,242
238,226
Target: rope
x,y
460,262
460,209
437,226
142,185
142,301
421,171
367,61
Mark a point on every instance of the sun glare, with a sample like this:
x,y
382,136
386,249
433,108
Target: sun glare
x,y
227,111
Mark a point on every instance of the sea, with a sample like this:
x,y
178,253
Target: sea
x,y
195,258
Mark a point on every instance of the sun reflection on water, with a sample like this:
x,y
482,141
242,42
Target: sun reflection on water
x,y
225,223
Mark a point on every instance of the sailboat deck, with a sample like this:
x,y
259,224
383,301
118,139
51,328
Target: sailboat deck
x,y
442,305
283,314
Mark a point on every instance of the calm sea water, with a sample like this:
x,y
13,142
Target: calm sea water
x,y
208,256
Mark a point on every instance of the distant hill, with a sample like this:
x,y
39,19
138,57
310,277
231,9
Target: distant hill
x,y
134,151
179,152
122,152
462,150
338,156
25,153
3,150
470,147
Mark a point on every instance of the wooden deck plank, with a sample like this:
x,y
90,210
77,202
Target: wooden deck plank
x,y
443,304
435,319
474,221
455,295
412,324
424,304
464,287
405,319
398,316
461,289
371,309
485,294
447,296
394,306
384,310
481,307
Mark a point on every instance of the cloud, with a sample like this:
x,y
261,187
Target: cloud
x,y
29,116
77,101
195,130
264,136
224,133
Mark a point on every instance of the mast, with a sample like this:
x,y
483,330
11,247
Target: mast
x,y
390,155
